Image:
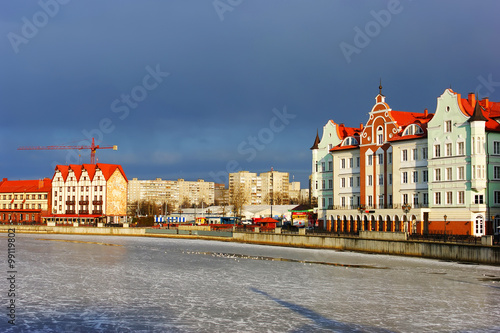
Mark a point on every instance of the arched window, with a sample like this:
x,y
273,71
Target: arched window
x,y
479,226
413,129
380,135
350,141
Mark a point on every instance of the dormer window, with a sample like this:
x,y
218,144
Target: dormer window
x,y
350,141
413,129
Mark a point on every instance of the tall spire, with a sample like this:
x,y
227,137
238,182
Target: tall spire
x,y
316,142
478,113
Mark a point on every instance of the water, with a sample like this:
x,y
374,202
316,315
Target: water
x,y
71,283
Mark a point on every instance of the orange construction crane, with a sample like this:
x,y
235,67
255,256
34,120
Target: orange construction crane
x,y
92,148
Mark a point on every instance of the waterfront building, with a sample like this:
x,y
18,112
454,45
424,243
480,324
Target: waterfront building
x,y
322,177
88,194
24,201
414,172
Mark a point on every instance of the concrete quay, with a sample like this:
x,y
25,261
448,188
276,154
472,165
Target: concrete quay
x,y
368,241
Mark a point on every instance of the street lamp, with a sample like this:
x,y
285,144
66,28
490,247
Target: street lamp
x,y
361,209
445,217
406,209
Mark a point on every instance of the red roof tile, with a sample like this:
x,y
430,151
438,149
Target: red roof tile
x,y
21,186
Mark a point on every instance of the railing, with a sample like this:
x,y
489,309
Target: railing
x,y
97,202
97,212
83,212
70,211
441,237
70,202
83,202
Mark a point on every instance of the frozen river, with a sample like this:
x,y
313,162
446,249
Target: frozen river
x,y
70,283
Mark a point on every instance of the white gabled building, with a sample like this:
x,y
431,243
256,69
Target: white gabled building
x,y
88,193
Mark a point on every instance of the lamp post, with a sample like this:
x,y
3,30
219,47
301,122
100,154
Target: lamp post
x,y
361,209
406,209
445,217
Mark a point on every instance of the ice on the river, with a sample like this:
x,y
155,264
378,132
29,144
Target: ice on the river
x,y
70,283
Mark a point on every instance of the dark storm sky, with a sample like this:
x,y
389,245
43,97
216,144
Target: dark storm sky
x,y
195,89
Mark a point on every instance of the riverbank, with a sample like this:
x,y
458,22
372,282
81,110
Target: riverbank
x,y
367,241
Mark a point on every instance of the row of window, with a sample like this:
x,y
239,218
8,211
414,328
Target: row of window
x,y
83,189
21,206
72,178
21,196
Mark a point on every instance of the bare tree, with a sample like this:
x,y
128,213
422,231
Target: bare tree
x,y
238,198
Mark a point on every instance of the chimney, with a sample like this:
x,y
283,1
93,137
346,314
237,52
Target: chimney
x,y
487,102
4,180
40,183
361,125
426,113
472,99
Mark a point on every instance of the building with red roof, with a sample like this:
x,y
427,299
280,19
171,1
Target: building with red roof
x,y
88,194
414,172
24,201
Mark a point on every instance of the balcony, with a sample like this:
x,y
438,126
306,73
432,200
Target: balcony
x,y
83,211
83,202
97,202
70,211
97,212
70,202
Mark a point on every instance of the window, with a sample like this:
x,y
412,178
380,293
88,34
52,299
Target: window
x,y
323,202
100,188
380,201
449,198
323,167
390,178
389,158
358,181
426,198
460,148
461,173
437,151
404,156
370,159
478,199
437,174
343,201
405,198
351,163
405,177
415,200
380,158
448,173
330,202
370,180
437,198
496,172
315,165
414,154
381,179
496,147
425,176
496,195
330,165
424,153
316,185
82,189
448,149
330,183
447,126
479,225
351,181
461,197
357,161
415,176
370,201
380,135
323,184
342,182
342,163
